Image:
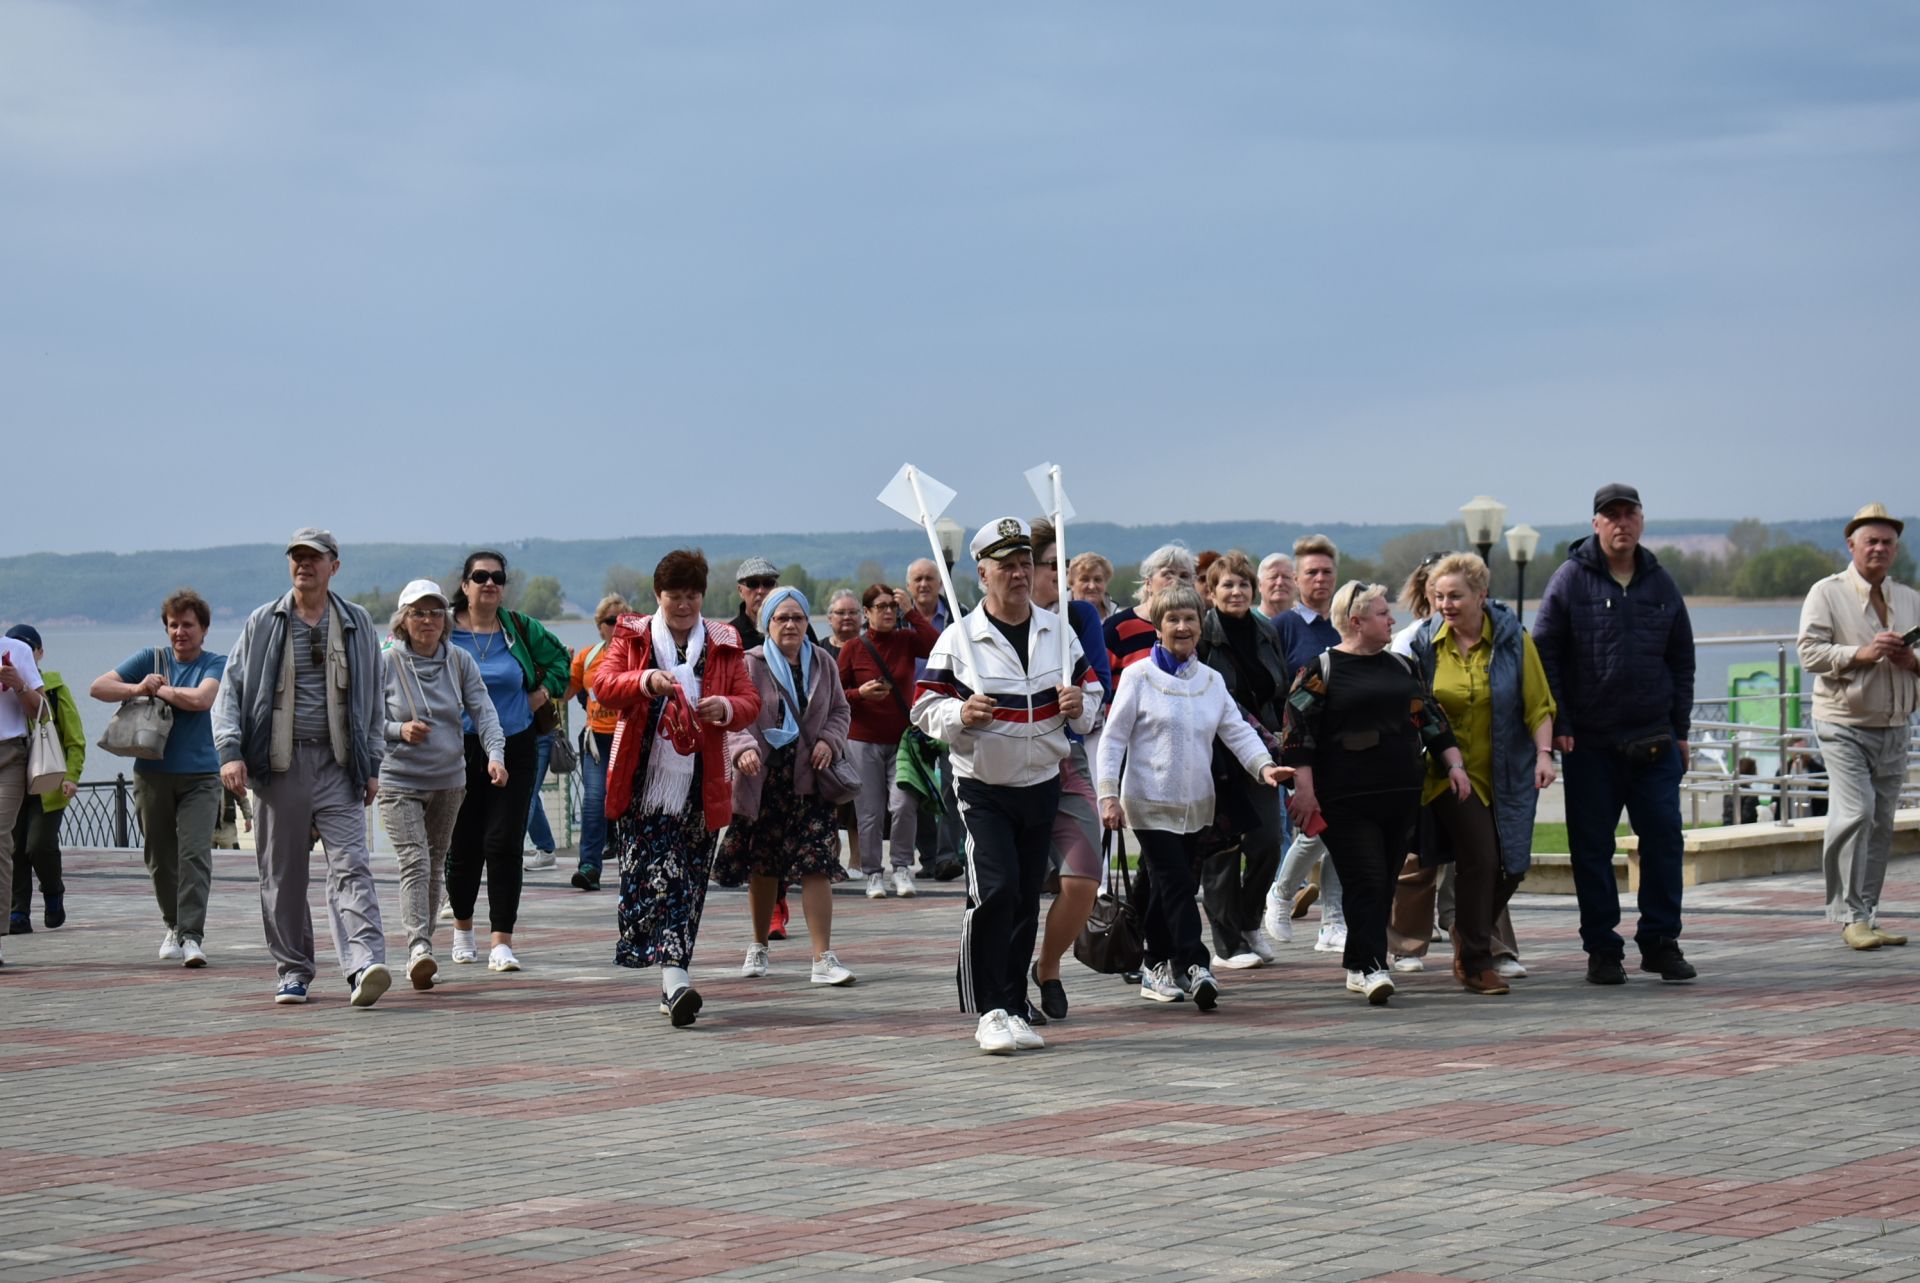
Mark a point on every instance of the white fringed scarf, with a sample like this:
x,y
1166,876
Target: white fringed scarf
x,y
669,771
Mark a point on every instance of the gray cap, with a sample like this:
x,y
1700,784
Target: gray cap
x,y
755,567
317,539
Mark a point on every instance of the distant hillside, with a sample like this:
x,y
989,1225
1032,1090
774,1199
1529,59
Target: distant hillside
x,y
122,587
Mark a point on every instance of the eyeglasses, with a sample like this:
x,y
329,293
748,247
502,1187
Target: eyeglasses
x,y
791,619
425,616
761,581
487,577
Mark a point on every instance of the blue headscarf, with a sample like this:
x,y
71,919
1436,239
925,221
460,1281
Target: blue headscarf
x,y
788,730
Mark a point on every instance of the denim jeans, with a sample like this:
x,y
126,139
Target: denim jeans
x,y
593,804
1599,782
539,832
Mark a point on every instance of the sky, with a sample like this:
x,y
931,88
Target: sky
x,y
451,271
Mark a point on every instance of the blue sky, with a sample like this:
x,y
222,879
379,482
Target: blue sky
x,y
453,271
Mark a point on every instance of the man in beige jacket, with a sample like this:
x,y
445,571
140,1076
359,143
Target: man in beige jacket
x,y
1853,639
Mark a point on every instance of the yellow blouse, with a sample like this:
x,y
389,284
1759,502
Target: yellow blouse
x,y
1461,684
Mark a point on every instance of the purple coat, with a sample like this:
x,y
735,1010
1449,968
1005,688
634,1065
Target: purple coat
x,y
827,718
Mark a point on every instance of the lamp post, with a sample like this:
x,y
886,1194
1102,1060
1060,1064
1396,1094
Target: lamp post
x,y
1522,542
953,538
1484,518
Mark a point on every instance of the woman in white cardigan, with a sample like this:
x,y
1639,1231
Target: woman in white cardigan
x,y
1165,717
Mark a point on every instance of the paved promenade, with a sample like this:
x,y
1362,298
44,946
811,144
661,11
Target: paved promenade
x,y
1762,1124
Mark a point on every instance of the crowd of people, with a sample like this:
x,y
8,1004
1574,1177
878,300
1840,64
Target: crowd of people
x,y
1267,736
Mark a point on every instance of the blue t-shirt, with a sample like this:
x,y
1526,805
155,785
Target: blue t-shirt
x,y
506,680
190,748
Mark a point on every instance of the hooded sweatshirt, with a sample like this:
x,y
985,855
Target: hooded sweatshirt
x,y
434,689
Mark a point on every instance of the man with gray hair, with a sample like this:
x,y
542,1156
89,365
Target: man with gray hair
x,y
756,578
301,716
1276,586
1857,631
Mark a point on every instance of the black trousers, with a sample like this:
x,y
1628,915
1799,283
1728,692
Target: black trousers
x,y
486,837
1009,831
1168,913
1368,839
36,853
1234,886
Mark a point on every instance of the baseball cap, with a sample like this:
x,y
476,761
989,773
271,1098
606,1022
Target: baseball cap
x,y
420,590
26,633
315,538
1615,492
1000,538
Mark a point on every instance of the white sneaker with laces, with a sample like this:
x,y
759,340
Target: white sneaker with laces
x,y
192,955
1356,982
828,971
756,963
1378,986
1410,962
536,859
994,1035
1024,1037
421,968
170,949
1509,969
903,883
1277,920
1332,938
500,958
1156,985
1262,945
463,947
1238,962
876,886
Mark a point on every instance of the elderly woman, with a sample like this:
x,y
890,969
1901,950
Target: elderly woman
x,y
1166,716
1087,578
843,621
876,671
432,689
1243,648
1129,635
782,828
677,682
525,668
1486,675
179,795
1357,724
595,744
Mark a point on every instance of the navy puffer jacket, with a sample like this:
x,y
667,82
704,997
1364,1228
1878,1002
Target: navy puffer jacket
x,y
1620,660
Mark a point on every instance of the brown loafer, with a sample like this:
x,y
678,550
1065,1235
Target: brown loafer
x,y
1887,937
1859,935
1303,899
1485,982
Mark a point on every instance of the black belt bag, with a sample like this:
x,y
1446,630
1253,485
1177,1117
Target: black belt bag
x,y
1645,750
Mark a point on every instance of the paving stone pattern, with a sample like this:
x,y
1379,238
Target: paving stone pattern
x,y
1759,1125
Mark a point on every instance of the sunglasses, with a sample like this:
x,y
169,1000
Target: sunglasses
x,y
608,620
317,648
760,581
487,577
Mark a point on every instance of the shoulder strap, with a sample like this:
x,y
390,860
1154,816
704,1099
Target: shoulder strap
x,y
899,702
1326,666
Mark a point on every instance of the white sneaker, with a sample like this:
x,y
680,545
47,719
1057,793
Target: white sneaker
x,y
536,859
1376,985
903,883
1024,1037
463,949
170,948
1202,988
994,1035
1238,962
1409,963
500,958
373,981
756,964
1156,985
827,970
1262,946
1509,969
1332,938
446,912
421,968
192,955
1276,921
876,886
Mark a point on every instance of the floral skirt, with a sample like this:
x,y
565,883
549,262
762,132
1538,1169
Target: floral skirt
x,y
794,837
664,860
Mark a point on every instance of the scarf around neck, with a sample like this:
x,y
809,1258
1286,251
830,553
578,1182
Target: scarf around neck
x,y
1164,661
670,768
788,729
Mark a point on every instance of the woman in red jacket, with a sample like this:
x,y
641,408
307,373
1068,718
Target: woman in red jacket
x,y
678,682
876,670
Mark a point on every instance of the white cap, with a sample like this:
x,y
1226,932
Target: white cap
x,y
1000,538
418,589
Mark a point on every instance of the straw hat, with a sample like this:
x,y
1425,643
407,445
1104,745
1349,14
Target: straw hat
x,y
1875,513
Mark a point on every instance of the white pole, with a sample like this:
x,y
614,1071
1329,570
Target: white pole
x,y
940,564
1060,576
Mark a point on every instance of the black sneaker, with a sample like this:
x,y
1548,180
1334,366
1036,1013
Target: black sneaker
x,y
587,879
19,924
1667,962
1605,970
1053,996
947,868
681,1006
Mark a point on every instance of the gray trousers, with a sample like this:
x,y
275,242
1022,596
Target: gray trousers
x,y
1297,867
177,815
315,793
13,791
876,797
1865,767
420,826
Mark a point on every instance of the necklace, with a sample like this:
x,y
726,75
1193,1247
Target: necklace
x,y
486,648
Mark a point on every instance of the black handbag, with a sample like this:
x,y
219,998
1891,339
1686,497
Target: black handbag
x,y
1113,940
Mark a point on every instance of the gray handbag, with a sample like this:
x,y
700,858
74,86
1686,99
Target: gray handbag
x,y
141,725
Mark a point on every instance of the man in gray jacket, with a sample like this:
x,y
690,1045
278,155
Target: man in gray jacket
x,y
301,716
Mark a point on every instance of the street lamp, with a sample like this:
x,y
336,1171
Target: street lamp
x,y
1522,542
1484,518
953,539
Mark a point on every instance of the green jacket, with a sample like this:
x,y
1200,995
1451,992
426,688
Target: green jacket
x,y
544,658
73,736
